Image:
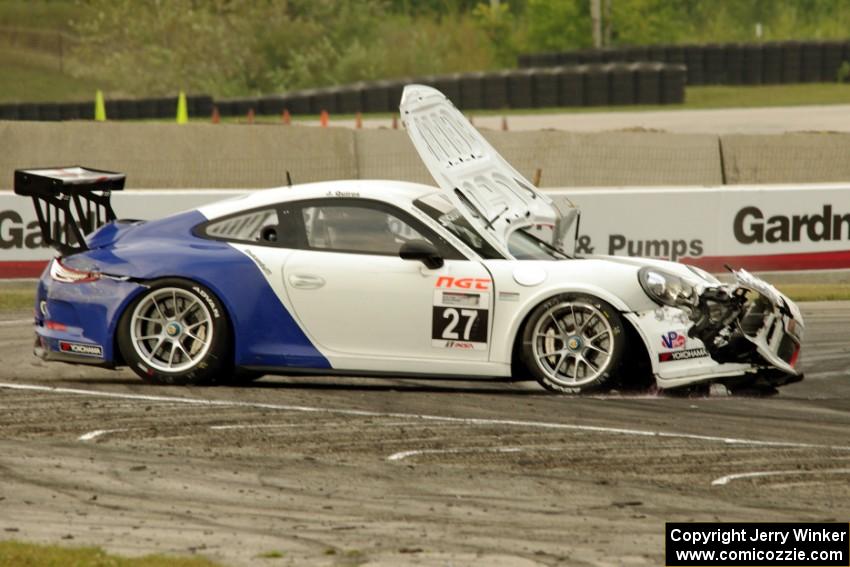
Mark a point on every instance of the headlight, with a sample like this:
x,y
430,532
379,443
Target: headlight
x,y
666,288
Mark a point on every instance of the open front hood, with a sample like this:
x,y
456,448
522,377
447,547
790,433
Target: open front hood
x,y
491,194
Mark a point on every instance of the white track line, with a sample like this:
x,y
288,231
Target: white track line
x,y
425,417
15,322
91,435
401,455
730,477
311,424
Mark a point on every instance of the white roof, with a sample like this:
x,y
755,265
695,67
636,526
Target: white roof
x,y
400,193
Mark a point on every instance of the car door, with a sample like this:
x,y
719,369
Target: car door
x,y
356,297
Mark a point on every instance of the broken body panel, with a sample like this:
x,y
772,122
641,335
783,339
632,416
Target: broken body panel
x,y
747,322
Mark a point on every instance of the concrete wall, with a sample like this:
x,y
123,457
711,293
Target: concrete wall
x,y
613,158
174,156
240,156
786,158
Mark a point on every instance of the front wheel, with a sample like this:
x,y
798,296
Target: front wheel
x,y
573,343
176,332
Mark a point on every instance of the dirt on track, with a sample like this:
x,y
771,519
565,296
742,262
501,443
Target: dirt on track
x,y
345,471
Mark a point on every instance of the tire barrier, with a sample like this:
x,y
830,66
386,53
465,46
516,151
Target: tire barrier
x,y
570,86
116,109
753,68
790,61
596,88
472,90
721,64
647,83
545,88
350,99
495,91
623,84
771,63
588,84
734,62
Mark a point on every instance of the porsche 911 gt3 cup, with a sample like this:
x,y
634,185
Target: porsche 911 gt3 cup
x,y
473,278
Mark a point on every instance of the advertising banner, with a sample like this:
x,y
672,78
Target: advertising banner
x,y
762,228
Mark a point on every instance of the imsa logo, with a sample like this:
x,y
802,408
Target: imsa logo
x,y
682,355
81,349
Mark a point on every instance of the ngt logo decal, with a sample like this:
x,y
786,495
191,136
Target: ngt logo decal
x,y
81,349
673,340
463,283
682,355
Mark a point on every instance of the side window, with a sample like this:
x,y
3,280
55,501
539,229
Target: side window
x,y
268,226
355,229
345,227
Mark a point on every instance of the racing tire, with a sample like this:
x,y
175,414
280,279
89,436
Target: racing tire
x,y
573,344
176,332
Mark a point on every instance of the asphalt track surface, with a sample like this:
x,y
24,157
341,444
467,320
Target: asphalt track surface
x,y
344,471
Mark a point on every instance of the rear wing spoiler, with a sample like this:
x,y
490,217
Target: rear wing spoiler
x,y
70,202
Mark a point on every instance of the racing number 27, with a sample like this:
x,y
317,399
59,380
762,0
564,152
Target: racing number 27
x,y
452,323
452,314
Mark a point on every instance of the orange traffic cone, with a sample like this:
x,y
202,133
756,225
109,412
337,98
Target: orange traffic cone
x,y
250,116
286,118
358,120
504,124
216,117
323,118
395,123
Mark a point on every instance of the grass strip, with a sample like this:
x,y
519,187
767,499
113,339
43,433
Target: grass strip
x,y
20,554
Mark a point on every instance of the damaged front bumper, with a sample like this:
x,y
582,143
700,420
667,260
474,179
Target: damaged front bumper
x,y
748,321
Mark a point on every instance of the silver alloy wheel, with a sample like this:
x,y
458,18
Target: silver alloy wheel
x,y
572,343
171,329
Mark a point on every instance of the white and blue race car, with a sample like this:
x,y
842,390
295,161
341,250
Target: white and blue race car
x,y
471,279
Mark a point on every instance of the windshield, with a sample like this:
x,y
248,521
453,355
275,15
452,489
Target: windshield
x,y
441,209
525,246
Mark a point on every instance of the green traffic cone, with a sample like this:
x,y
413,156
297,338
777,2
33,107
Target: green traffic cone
x,y
99,107
182,112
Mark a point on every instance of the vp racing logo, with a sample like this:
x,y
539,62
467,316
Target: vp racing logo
x,y
673,340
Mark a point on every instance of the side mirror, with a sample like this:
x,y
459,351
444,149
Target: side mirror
x,y
423,251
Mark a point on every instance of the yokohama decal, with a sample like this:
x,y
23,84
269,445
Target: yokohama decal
x,y
81,349
682,355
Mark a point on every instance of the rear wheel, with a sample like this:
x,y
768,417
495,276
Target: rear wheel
x,y
176,332
573,343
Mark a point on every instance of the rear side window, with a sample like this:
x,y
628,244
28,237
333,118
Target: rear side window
x,y
269,226
247,227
